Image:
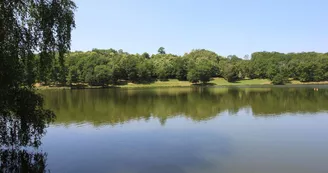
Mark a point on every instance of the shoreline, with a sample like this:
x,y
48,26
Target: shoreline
x,y
173,83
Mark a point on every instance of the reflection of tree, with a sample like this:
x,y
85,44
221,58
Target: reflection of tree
x,y
14,160
119,106
22,124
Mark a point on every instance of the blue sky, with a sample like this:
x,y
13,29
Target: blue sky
x,y
224,26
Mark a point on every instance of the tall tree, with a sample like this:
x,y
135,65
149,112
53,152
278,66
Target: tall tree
x,y
29,26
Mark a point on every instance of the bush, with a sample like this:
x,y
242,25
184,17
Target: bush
x,y
279,79
229,73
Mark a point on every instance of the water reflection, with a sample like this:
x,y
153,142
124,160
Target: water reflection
x,y
136,147
22,125
198,132
14,160
113,106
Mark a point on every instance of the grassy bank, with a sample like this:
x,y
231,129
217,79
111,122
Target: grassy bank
x,y
177,83
296,82
170,83
214,82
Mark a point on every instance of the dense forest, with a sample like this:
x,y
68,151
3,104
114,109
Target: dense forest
x,y
104,67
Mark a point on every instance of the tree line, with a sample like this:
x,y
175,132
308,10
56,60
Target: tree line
x,y
101,67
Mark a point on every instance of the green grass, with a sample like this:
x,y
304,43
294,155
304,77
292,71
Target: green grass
x,y
52,88
174,83
213,82
177,83
221,81
169,83
310,83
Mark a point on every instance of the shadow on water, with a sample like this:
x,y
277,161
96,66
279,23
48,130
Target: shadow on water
x,y
22,125
204,84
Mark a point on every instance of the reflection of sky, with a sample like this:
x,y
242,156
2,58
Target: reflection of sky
x,y
229,143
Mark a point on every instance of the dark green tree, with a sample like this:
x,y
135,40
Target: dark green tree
x,y
29,26
180,65
144,72
103,75
73,76
279,79
230,73
161,50
145,55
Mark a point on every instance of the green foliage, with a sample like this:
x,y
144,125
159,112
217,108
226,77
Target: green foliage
x,y
230,73
197,66
279,79
193,76
128,67
209,55
242,68
43,27
161,50
145,55
305,66
102,75
26,27
144,72
272,71
36,26
199,71
180,65
73,76
164,66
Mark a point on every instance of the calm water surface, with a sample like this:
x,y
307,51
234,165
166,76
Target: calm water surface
x,y
188,130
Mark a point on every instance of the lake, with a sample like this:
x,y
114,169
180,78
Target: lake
x,y
188,130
